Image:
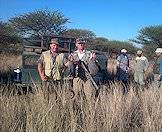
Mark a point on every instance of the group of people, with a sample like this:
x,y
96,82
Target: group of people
x,y
52,64
140,66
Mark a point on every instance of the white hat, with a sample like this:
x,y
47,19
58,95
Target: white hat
x,y
158,50
123,51
139,52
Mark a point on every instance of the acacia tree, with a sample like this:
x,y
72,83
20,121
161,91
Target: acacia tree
x,y
80,33
150,35
7,34
106,45
151,38
100,41
40,23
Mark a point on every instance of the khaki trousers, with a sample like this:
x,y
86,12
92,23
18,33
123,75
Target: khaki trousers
x,y
160,90
139,78
85,86
51,87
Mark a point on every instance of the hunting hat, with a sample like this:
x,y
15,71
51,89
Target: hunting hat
x,y
123,51
80,41
139,52
54,41
158,50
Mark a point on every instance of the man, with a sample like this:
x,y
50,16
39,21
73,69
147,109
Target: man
x,y
159,55
141,65
81,58
122,68
51,65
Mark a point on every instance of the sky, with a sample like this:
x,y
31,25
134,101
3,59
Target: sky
x,y
113,19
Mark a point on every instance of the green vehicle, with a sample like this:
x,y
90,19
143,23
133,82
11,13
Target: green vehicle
x,y
28,75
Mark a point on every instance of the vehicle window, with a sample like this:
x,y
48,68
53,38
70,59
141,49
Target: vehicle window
x,y
30,61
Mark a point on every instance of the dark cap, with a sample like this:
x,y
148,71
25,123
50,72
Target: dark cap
x,y
80,41
54,41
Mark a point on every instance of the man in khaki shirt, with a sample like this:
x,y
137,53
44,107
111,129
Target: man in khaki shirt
x,y
81,81
51,65
140,67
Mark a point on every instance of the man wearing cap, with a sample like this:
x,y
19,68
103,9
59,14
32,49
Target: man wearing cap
x,y
81,57
122,68
141,65
51,65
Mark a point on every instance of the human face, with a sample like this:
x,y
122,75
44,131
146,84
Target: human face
x,y
80,46
139,55
124,53
54,47
159,54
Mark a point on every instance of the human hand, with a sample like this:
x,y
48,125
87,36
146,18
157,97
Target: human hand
x,y
93,56
159,78
71,58
43,77
129,69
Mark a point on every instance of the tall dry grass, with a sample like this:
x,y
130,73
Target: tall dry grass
x,y
9,61
110,111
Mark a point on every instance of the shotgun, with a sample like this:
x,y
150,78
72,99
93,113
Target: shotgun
x,y
93,82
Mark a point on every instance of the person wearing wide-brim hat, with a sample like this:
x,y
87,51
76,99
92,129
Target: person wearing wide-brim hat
x,y
48,60
51,65
54,41
140,68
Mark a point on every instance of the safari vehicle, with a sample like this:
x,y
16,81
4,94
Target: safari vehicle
x,y
31,54
102,59
28,67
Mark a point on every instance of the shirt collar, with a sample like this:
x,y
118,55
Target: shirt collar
x,y
53,54
79,52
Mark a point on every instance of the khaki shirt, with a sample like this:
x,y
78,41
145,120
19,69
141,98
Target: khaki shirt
x,y
141,64
52,63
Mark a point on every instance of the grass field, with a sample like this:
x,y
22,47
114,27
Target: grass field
x,y
110,111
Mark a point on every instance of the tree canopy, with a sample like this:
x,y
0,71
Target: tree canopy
x,y
80,33
40,23
150,35
7,34
151,38
106,45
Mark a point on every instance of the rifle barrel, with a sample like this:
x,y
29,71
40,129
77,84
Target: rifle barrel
x,y
93,82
